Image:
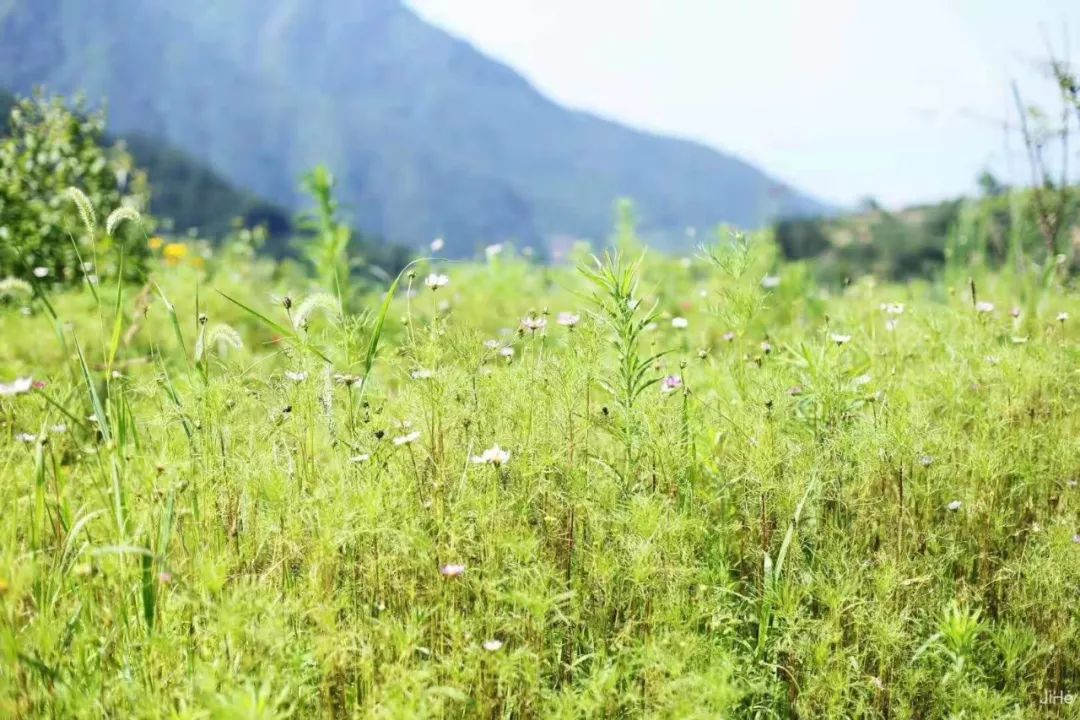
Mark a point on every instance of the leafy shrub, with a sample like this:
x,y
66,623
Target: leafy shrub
x,y
48,149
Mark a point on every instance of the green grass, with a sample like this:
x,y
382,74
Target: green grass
x,y
771,537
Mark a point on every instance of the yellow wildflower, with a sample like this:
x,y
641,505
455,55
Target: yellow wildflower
x,y
175,252
155,243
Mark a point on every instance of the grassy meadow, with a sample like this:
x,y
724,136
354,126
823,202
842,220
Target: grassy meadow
x,y
638,486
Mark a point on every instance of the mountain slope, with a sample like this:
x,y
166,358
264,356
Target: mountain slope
x,y
428,136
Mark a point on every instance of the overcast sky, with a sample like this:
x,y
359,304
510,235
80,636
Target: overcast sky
x,y
841,98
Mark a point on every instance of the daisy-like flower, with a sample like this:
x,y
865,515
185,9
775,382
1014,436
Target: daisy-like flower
x,y
26,437
41,272
679,323
437,244
452,571
491,344
493,645
492,251
839,338
984,307
361,458
861,380
1015,312
532,323
347,380
1076,538
1018,340
729,336
494,455
16,387
954,505
766,347
670,384
567,319
891,324
295,377
892,308
507,352
407,439
436,280
421,374
770,282
1062,316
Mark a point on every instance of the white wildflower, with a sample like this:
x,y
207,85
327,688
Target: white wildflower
x,y
494,455
16,387
436,280
568,319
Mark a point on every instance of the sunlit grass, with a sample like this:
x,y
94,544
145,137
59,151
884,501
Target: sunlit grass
x,y
668,489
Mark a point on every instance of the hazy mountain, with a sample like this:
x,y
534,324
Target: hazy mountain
x,y
427,135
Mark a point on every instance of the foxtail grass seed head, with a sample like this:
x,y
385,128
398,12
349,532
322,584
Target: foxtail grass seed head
x,y
85,208
319,301
120,215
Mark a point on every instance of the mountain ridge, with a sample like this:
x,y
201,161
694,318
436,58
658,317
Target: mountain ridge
x,y
427,135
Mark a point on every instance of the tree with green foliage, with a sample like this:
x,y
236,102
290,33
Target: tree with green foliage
x,y
49,148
